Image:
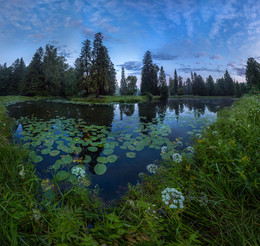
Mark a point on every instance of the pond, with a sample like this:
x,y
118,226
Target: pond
x,y
107,145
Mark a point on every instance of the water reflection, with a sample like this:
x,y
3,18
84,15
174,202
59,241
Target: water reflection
x,y
133,119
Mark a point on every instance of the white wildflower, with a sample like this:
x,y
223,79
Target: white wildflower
x,y
152,168
164,149
190,149
36,214
78,171
177,158
22,172
179,143
141,175
173,198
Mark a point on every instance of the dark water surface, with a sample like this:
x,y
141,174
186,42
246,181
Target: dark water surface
x,y
63,135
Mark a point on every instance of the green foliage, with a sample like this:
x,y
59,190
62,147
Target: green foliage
x,y
253,74
149,79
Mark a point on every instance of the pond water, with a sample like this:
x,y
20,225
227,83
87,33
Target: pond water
x,y
108,145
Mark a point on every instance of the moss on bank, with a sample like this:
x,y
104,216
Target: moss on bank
x,y
219,183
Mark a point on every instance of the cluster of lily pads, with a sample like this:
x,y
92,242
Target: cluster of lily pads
x,y
73,142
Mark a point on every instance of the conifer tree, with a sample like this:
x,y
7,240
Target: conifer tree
x,y
147,73
33,83
253,74
123,85
162,84
5,77
131,84
175,82
171,86
210,86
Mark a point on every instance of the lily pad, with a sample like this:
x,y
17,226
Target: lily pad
x,y
37,158
62,175
112,158
102,159
45,151
93,149
54,152
87,159
67,159
131,154
100,169
108,151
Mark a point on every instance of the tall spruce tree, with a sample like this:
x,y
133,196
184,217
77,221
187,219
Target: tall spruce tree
x,y
54,68
229,84
84,66
210,86
162,84
33,83
154,80
18,73
123,85
253,74
147,73
175,82
171,86
5,77
101,68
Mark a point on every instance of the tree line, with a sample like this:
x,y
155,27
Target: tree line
x,y
94,73
49,74
153,81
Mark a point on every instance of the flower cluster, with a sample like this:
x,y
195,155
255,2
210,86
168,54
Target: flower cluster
x,y
22,172
152,168
173,198
36,214
179,143
151,212
190,149
164,149
198,136
177,158
141,175
78,171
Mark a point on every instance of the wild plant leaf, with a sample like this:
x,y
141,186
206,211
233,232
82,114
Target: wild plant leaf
x,y
100,169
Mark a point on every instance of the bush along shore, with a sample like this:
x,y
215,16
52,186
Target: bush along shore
x,y
208,194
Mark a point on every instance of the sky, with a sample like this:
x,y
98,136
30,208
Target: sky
x,y
202,36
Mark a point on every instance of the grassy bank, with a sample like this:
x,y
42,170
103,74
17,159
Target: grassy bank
x,y
215,191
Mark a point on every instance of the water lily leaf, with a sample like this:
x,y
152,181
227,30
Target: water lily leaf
x,y
57,165
72,178
87,159
112,158
45,151
102,159
131,154
37,158
100,169
67,159
131,147
62,175
54,152
108,151
93,149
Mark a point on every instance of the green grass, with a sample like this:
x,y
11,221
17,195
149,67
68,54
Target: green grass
x,y
220,183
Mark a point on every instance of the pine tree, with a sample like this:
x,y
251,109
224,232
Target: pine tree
x,y
154,80
123,85
5,77
18,70
198,87
101,65
175,82
33,83
84,66
162,84
253,74
188,86
147,71
229,85
54,68
210,86
111,78
171,86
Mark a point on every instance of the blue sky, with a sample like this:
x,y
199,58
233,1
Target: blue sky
x,y
206,37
